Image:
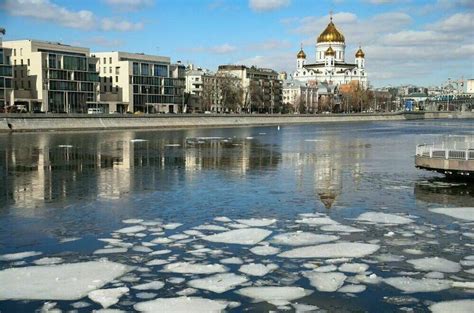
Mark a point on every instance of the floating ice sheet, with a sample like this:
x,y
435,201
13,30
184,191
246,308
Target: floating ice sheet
x,y
58,282
193,268
326,282
107,297
131,229
455,306
232,260
352,289
264,250
435,264
218,283
110,250
254,269
245,236
18,256
300,238
281,295
48,261
353,267
181,305
332,250
257,222
411,285
341,228
466,214
383,218
154,285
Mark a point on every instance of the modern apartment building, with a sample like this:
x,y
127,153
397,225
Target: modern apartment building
x,y
262,89
136,82
6,76
53,77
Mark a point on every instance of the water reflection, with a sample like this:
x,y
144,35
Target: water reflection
x,y
444,192
53,167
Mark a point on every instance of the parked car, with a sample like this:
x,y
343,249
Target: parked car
x,y
95,111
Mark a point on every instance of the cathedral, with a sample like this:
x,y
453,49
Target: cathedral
x,y
329,65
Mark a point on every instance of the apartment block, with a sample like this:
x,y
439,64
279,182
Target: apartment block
x,y
53,77
262,88
6,77
136,82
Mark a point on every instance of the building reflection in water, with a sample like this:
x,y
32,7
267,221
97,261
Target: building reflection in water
x,y
444,192
44,168
323,163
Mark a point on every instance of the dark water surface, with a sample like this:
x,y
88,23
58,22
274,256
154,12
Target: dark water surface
x,y
60,186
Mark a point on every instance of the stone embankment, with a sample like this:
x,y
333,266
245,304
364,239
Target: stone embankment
x,y
61,122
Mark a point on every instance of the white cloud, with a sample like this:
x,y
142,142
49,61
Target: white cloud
x,y
124,5
109,24
272,44
268,5
48,11
459,22
417,38
279,62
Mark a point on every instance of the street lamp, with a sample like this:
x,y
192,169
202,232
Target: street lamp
x,y
146,99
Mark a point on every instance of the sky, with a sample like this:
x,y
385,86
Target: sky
x,y
405,41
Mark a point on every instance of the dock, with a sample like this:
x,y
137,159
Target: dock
x,y
452,157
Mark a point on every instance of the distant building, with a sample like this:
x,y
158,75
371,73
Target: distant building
x,y
470,86
53,77
6,77
300,95
329,64
262,90
137,82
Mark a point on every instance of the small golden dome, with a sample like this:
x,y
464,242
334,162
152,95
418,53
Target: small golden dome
x,y
360,53
331,34
330,51
301,55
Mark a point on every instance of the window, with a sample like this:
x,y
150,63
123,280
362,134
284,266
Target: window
x,y
105,70
116,79
117,70
28,62
110,70
136,69
21,62
160,70
14,52
21,51
14,62
105,60
29,84
110,60
145,68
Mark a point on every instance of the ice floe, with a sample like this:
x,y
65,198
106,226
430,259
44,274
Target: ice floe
x,y
257,269
156,262
316,221
274,295
352,289
154,285
332,250
326,282
48,261
353,267
58,282
435,264
193,268
19,255
257,222
232,260
412,285
132,221
383,218
218,283
245,236
172,225
181,305
341,228
466,214
264,250
110,250
300,238
454,306
107,297
131,229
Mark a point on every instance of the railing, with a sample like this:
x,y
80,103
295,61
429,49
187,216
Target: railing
x,y
454,148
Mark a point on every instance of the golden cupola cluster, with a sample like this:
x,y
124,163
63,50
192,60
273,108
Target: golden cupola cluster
x,y
330,51
360,53
331,34
301,54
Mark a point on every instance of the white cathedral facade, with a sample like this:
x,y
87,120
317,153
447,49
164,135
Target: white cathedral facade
x,y
329,65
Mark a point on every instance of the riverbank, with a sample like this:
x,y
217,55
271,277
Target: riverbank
x,y
61,122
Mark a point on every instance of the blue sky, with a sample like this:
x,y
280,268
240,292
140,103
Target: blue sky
x,y
419,42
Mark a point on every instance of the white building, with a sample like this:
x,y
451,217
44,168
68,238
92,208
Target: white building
x,y
53,77
329,64
300,95
470,86
136,82
6,76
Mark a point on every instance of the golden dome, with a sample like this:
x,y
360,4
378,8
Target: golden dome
x,y
330,51
301,55
331,34
360,53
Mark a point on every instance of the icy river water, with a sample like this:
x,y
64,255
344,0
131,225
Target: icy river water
x,y
313,218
